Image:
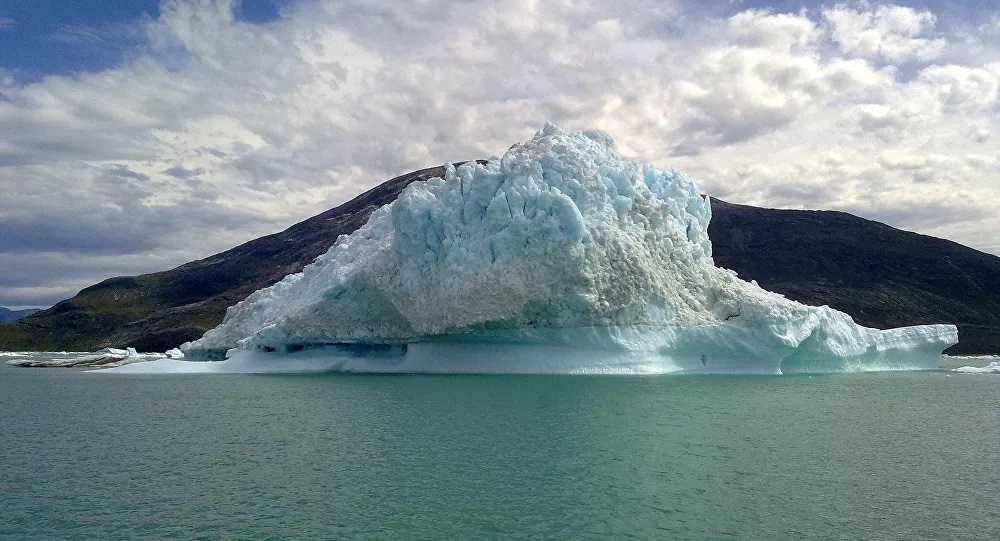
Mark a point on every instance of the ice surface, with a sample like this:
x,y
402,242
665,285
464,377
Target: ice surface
x,y
992,368
562,256
104,358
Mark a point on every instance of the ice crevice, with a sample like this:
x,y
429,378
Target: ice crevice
x,y
561,256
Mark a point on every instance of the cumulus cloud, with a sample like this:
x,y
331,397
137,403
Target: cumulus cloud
x,y
215,130
888,32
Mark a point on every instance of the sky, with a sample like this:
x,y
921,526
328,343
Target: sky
x,y
137,135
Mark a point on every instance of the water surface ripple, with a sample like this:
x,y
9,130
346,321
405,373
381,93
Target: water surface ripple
x,y
866,456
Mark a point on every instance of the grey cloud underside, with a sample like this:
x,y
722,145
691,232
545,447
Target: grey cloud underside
x,y
100,235
43,279
123,230
180,172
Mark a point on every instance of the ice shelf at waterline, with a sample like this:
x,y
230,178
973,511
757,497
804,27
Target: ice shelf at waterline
x,y
561,256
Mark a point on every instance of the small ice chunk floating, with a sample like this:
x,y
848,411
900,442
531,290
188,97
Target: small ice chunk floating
x,y
559,257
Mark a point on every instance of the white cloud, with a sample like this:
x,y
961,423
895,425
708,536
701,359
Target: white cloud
x,y
960,89
216,130
755,28
887,32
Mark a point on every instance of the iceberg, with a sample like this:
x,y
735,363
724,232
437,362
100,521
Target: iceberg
x,y
560,257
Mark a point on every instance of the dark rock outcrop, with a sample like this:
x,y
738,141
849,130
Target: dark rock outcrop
x,y
883,277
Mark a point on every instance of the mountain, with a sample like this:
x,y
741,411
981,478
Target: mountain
x,y
882,276
7,315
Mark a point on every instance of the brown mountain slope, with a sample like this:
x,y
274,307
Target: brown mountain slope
x,y
882,276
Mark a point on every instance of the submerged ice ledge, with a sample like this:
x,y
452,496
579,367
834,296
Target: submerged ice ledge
x,y
597,350
561,256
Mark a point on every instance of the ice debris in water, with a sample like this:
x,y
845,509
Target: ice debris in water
x,y
103,358
559,245
992,368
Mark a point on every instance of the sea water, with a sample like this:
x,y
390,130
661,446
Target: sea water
x,y
857,456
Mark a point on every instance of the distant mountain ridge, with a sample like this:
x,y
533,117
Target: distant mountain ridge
x,y
7,315
882,276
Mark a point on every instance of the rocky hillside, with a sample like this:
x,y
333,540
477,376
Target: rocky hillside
x,y
882,276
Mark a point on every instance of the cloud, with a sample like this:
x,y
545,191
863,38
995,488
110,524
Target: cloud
x,y
180,172
887,32
7,22
77,34
215,130
44,278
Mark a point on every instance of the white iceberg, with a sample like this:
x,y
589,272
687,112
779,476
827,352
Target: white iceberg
x,y
562,256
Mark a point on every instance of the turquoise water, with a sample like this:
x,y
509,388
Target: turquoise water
x,y
868,456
